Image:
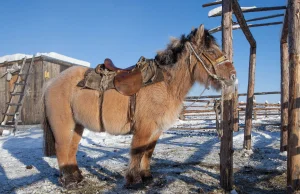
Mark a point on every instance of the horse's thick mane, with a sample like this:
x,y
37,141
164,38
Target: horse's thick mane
x,y
170,55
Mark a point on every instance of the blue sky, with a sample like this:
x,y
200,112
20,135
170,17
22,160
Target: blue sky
x,y
124,30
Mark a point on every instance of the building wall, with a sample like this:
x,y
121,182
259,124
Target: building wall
x,y
3,92
32,107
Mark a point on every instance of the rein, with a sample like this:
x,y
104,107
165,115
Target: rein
x,y
218,61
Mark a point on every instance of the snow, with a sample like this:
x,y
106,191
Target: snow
x,y
218,10
14,57
54,55
184,161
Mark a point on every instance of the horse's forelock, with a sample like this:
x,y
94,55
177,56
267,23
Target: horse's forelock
x,y
209,39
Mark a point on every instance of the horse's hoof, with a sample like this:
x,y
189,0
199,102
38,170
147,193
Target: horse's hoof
x,y
134,185
71,181
133,180
146,176
78,176
67,184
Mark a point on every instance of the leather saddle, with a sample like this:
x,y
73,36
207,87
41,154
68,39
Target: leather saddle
x,y
127,81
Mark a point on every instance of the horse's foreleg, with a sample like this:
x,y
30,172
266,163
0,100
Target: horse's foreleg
x,y
142,144
145,162
72,153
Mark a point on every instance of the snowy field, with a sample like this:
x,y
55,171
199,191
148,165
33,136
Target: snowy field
x,y
184,161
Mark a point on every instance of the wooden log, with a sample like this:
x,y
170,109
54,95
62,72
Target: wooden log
x,y
236,27
197,111
249,106
251,78
219,96
226,148
293,158
258,109
284,59
257,9
261,104
198,101
262,18
235,110
242,22
212,3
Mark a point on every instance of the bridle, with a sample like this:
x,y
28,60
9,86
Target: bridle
x,y
214,63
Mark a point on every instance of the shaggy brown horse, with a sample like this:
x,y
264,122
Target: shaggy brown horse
x,y
69,109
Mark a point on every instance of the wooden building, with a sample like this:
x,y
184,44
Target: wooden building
x,y
43,69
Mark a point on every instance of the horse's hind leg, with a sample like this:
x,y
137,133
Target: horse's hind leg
x,y
63,127
143,143
77,134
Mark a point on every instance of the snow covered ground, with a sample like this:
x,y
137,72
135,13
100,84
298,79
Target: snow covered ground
x,y
184,161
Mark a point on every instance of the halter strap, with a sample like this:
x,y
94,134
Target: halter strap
x,y
218,61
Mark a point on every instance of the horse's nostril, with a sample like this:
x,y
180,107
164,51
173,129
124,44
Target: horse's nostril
x,y
233,76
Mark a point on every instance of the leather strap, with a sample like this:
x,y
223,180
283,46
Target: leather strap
x,y
101,98
131,111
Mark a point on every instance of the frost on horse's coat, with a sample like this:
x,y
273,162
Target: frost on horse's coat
x,y
68,109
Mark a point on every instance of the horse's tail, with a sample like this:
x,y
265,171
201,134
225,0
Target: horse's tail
x,y
49,140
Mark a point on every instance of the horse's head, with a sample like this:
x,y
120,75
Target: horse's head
x,y
207,62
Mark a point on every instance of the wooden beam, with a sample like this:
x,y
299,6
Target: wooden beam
x,y
262,18
257,9
236,27
284,59
212,3
219,96
251,77
226,148
242,22
293,158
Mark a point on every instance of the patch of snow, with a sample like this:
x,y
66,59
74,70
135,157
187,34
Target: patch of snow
x,y
6,132
54,55
14,57
218,10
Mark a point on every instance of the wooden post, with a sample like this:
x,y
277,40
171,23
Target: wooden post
x,y
284,59
293,159
226,150
235,109
249,105
266,110
251,78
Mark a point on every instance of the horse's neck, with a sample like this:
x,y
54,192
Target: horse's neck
x,y
180,82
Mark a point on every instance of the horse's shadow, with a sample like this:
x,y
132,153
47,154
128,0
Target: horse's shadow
x,y
32,155
157,165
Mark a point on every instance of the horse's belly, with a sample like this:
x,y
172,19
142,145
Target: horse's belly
x,y
86,106
115,113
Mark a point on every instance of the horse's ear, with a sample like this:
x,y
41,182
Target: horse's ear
x,y
200,33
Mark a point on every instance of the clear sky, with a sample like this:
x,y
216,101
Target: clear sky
x,y
124,30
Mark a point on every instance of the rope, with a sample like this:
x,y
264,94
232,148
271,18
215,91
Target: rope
x,y
203,64
195,100
219,125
